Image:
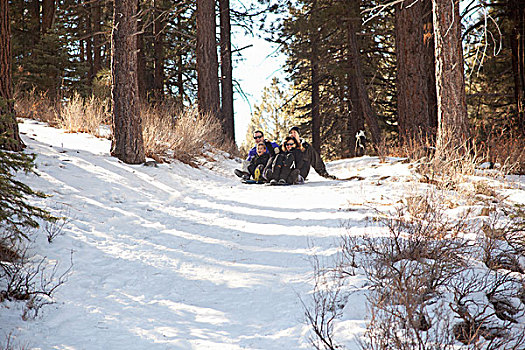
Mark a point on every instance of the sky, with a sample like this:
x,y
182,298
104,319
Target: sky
x,y
260,64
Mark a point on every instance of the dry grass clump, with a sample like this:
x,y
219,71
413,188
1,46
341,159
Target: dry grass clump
x,y
36,105
79,114
508,150
168,132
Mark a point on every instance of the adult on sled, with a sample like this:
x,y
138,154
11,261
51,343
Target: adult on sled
x,y
310,157
284,167
258,136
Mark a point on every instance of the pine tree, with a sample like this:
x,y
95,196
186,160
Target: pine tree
x,y
415,85
127,144
207,61
15,212
226,71
453,129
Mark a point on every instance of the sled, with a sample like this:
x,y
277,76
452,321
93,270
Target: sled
x,y
252,182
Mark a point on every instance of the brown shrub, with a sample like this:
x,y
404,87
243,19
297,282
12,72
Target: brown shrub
x,y
36,105
80,114
168,132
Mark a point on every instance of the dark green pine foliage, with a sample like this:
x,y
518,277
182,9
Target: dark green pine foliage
x,y
177,20
376,42
489,74
48,62
17,215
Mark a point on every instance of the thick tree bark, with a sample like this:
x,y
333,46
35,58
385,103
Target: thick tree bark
x,y
314,83
88,33
412,70
364,101
226,71
180,69
430,65
453,130
207,64
158,51
48,15
141,68
316,117
97,37
34,18
356,120
517,40
127,143
9,135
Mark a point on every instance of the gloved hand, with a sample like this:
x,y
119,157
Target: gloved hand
x,y
328,176
276,150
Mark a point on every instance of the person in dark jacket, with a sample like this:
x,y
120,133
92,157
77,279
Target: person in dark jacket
x,y
310,157
258,136
285,166
258,163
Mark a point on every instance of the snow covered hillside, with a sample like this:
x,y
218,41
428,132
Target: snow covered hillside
x,y
173,257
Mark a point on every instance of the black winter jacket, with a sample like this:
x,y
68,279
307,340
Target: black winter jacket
x,y
311,158
258,160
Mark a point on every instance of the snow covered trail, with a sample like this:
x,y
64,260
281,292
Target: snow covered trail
x,y
173,257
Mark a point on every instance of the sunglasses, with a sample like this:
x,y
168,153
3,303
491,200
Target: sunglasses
x,y
290,144
257,137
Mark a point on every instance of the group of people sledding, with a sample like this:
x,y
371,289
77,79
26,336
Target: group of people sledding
x,y
287,164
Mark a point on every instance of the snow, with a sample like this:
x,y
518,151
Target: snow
x,y
176,257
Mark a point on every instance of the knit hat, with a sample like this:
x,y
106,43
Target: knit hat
x,y
295,128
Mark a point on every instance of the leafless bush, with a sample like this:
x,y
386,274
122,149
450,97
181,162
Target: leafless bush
x,y
326,306
36,105
420,148
181,135
507,149
503,239
485,302
10,343
55,227
428,287
79,114
32,281
448,166
409,269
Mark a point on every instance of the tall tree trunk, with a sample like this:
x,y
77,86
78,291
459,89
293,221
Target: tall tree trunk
x,y
141,68
412,88
453,130
517,40
88,33
9,135
364,101
127,144
141,62
34,15
430,66
158,51
207,64
316,117
48,14
226,71
356,120
314,83
97,42
180,68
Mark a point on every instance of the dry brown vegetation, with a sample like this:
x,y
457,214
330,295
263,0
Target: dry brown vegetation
x,y
436,280
169,132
